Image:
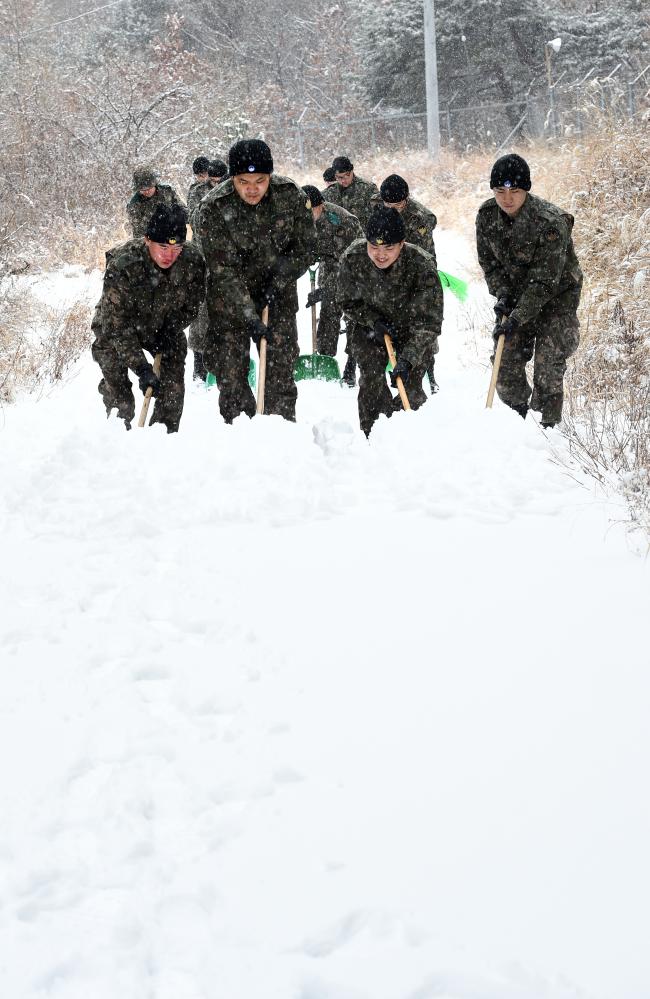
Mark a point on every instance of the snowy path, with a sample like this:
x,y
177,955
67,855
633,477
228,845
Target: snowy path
x,y
298,719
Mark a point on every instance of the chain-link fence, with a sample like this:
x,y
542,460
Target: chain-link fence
x,y
564,108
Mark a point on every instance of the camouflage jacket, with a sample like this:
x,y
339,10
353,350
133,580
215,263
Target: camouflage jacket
x,y
356,198
140,210
335,230
194,199
418,221
408,294
139,300
530,257
246,247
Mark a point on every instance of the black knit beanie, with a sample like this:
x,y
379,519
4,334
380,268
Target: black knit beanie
x,y
385,226
250,156
510,171
168,225
394,189
314,195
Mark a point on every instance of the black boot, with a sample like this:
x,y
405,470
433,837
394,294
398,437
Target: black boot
x,y
350,372
200,370
433,384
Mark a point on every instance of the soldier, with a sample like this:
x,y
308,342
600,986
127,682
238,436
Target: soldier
x,y
329,176
200,171
258,237
149,193
216,172
351,192
526,253
387,285
152,290
419,224
335,230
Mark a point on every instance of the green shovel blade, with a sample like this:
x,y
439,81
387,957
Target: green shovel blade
x,y
319,367
456,286
211,379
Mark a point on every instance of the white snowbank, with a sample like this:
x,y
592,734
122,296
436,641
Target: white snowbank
x,y
290,715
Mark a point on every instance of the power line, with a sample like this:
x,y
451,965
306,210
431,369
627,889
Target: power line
x,y
66,20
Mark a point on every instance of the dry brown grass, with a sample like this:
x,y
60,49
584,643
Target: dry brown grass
x,y
39,343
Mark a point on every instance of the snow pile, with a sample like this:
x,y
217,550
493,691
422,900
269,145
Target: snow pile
x,y
288,715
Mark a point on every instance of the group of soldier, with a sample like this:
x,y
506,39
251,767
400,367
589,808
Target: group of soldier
x,y
254,233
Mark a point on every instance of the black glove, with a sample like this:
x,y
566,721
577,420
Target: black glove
x,y
379,330
148,379
504,305
508,326
314,296
401,370
256,330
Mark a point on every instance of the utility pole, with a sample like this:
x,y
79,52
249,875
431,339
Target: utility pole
x,y
431,73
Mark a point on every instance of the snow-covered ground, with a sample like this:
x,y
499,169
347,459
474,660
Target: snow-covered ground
x,y
290,715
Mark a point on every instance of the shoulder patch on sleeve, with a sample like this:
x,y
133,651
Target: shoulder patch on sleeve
x,y
334,218
422,230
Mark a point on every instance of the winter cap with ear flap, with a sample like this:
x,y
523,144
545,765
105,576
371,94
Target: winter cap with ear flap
x,y
394,189
144,176
342,165
200,164
168,225
217,168
250,156
314,195
510,171
329,175
385,227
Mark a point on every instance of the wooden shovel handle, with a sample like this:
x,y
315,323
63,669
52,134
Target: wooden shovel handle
x,y
393,360
314,321
147,396
495,370
261,383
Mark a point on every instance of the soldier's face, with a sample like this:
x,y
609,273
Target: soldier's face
x,y
317,211
201,176
509,199
147,192
214,181
399,206
251,187
163,254
384,255
345,179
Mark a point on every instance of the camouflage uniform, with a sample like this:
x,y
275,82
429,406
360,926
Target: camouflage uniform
x,y
335,230
146,308
531,259
196,195
246,248
356,198
418,221
199,328
409,296
140,209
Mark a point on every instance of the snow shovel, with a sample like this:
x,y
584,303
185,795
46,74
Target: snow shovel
x,y
262,382
147,396
455,285
211,379
495,368
319,367
393,360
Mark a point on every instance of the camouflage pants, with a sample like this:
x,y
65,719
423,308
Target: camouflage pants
x,y
552,339
329,325
115,386
198,329
375,397
227,355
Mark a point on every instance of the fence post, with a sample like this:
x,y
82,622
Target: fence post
x,y
631,102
